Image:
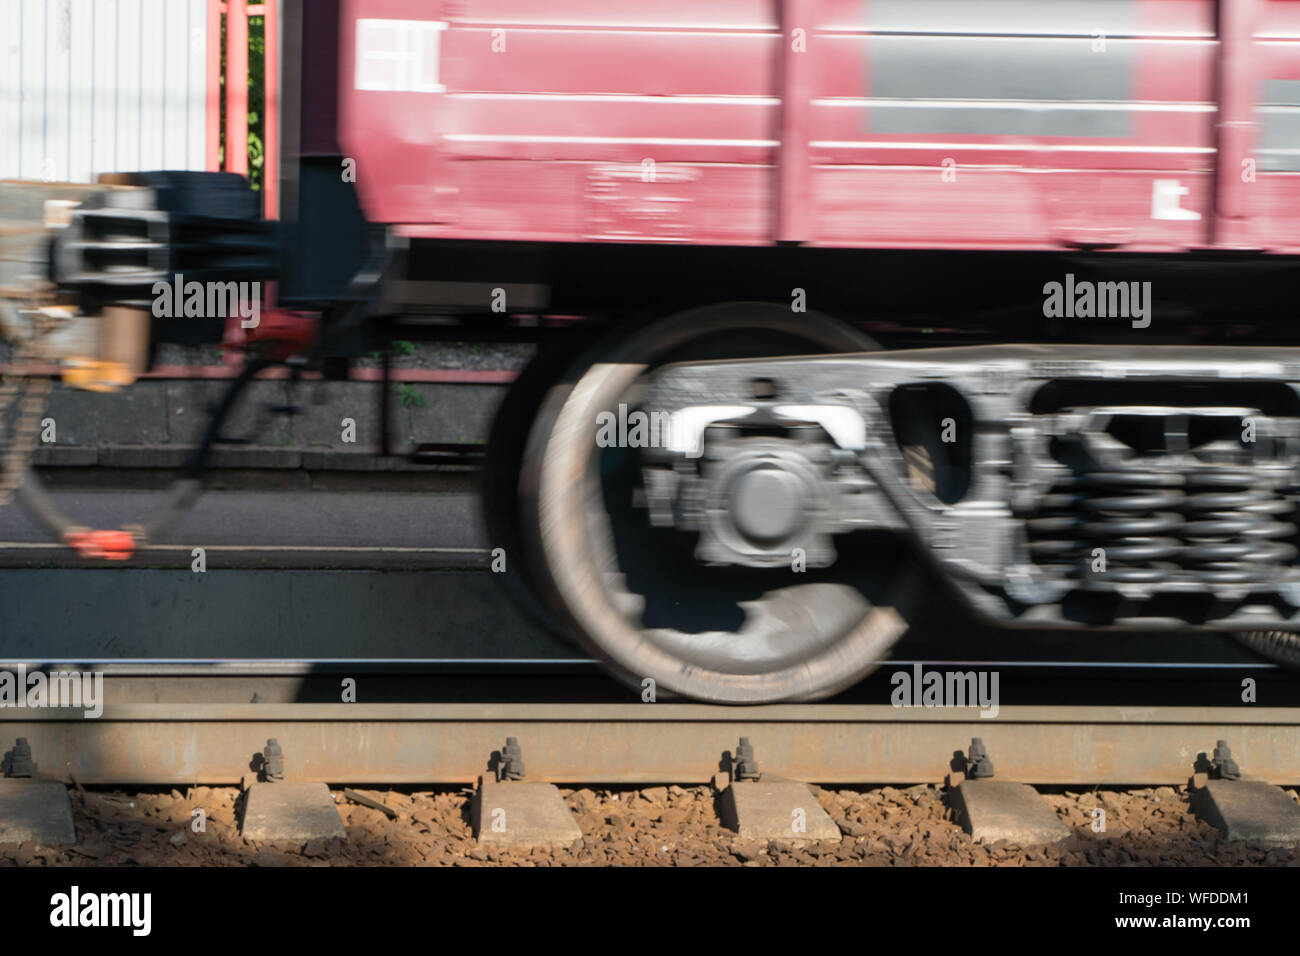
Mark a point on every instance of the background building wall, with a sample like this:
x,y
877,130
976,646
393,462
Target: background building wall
x,y
94,86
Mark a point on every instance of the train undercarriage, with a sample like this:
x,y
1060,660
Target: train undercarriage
x,y
755,530
743,502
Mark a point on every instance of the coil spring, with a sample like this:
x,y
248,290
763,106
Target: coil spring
x,y
1215,521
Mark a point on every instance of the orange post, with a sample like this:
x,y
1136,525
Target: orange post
x,y
237,87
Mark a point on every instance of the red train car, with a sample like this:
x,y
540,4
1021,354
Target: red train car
x,y
1142,125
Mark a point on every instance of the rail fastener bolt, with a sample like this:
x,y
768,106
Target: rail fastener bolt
x,y
744,766
511,764
1224,767
18,762
979,766
273,762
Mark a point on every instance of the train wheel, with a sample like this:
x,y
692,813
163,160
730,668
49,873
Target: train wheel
x,y
1281,647
499,482
634,594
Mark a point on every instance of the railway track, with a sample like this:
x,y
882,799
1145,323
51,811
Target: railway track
x,y
176,724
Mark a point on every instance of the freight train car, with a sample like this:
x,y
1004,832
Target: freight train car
x,y
839,302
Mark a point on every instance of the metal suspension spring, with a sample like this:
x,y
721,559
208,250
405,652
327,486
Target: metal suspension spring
x,y
1133,516
1232,525
1217,521
1054,525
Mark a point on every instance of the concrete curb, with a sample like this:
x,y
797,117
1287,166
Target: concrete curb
x,y
157,424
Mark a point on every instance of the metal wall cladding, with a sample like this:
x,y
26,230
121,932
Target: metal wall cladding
x,y
94,86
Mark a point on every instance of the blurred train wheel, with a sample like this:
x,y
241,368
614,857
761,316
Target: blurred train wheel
x,y
1280,647
634,593
499,493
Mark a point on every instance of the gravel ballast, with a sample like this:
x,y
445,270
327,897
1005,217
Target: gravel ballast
x,y
655,826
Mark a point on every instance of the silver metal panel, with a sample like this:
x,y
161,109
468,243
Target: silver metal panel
x,y
80,92
1020,74
1279,140
55,163
103,89
176,51
31,105
11,16
952,67
1004,18
1025,119
127,85
995,68
153,83
1279,120
196,83
1280,93
94,86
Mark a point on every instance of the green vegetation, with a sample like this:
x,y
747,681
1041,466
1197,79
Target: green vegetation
x,y
256,97
409,397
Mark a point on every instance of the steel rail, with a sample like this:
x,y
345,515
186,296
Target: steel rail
x,y
639,743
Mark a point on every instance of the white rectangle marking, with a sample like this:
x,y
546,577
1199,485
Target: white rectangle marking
x,y
398,56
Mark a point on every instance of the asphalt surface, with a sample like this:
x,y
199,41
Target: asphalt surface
x,y
259,529
328,576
